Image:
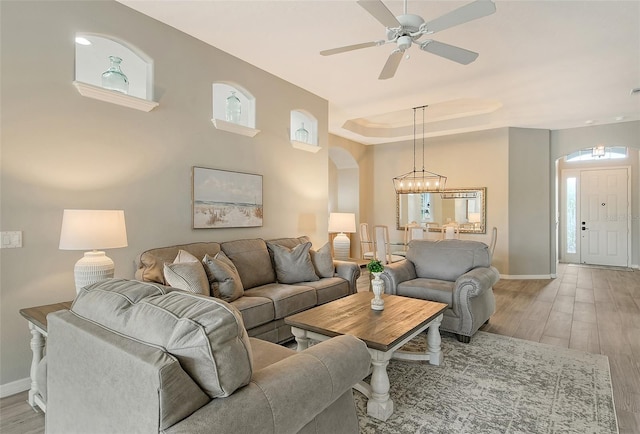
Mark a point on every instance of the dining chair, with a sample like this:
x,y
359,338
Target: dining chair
x,y
366,244
382,246
492,244
450,231
405,241
416,233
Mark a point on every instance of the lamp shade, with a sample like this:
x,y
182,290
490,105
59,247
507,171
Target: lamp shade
x,y
342,222
92,229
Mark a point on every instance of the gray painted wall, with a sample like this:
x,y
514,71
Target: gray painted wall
x,y
529,206
477,159
61,150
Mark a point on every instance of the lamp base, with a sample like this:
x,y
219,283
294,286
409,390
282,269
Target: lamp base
x,y
91,268
341,246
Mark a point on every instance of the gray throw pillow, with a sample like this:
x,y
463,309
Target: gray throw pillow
x,y
293,265
322,261
187,273
223,277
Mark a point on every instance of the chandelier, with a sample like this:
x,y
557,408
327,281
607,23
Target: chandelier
x,y
419,181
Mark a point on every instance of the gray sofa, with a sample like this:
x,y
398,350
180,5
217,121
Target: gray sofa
x,y
263,299
456,272
133,357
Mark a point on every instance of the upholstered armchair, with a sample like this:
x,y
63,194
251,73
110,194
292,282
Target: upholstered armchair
x,y
456,272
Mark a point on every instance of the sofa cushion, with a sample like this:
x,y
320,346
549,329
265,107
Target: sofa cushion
x,y
428,289
323,261
255,310
205,334
329,289
287,299
187,273
447,259
223,277
252,260
151,263
293,265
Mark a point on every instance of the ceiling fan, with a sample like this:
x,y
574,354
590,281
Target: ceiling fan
x,y
405,30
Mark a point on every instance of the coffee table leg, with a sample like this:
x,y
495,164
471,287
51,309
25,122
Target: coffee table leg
x,y
433,342
301,338
380,404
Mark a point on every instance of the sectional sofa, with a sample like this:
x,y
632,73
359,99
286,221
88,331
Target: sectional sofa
x,y
266,280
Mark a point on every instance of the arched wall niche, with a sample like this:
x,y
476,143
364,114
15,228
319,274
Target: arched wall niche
x,y
92,59
246,125
303,131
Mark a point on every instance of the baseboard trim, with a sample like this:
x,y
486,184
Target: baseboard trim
x,y
15,387
527,276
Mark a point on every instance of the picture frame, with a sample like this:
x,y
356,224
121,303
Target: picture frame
x,y
225,199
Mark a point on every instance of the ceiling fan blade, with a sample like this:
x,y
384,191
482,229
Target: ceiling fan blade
x,y
390,68
469,12
450,52
380,12
350,48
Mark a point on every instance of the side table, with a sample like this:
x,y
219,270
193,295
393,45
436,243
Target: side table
x,y
37,318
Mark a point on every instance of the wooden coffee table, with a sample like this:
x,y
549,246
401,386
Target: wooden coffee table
x,y
384,332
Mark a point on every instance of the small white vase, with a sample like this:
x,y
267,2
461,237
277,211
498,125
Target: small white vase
x,y
377,285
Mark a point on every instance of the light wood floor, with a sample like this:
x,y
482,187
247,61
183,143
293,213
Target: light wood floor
x,y
585,308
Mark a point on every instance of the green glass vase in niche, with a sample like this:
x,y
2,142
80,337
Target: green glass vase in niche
x,y
113,78
302,135
233,108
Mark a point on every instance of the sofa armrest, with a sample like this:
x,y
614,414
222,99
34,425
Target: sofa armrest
x,y
475,281
396,273
349,271
285,396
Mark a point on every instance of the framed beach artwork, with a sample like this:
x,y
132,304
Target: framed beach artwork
x,y
224,199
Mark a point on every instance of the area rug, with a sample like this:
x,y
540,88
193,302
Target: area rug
x,y
497,384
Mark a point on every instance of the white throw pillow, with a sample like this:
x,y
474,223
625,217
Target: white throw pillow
x,y
187,273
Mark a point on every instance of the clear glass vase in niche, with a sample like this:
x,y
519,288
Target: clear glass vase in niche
x,y
233,108
113,78
302,135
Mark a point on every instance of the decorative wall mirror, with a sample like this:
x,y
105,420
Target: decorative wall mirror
x,y
464,206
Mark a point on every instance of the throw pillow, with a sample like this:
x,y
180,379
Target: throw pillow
x,y
322,261
184,256
187,273
223,276
293,265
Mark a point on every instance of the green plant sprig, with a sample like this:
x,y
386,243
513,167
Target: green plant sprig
x,y
375,266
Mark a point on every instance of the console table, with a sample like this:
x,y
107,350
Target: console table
x,y
37,318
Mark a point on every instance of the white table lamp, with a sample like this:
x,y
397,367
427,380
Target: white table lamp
x,y
342,222
92,230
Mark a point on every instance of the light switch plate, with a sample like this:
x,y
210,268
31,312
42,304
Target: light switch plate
x,y
11,239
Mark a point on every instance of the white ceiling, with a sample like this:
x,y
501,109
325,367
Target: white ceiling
x,y
543,64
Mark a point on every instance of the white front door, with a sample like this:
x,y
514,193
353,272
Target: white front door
x,y
604,225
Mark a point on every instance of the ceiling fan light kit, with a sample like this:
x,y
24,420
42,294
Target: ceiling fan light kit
x,y
406,29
